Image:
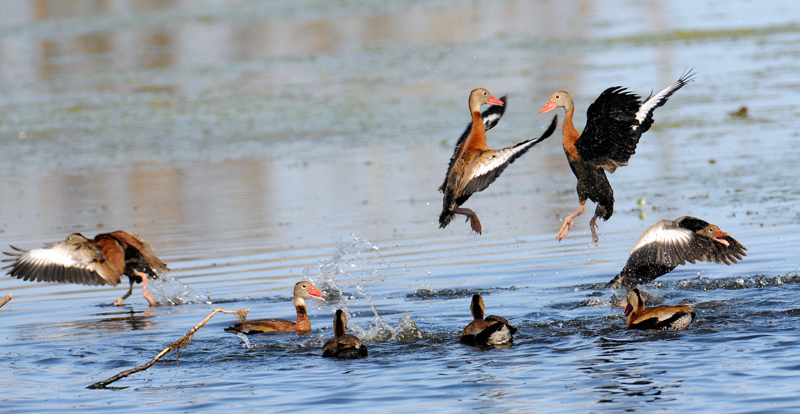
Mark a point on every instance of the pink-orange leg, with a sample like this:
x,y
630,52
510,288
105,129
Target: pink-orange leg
x,y
144,289
118,302
568,221
593,225
471,216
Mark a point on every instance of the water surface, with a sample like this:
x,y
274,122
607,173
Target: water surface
x,y
257,144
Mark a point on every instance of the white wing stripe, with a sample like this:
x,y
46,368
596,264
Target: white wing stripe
x,y
499,158
491,118
51,256
655,101
659,234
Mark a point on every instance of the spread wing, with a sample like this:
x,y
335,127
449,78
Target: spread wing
x,y
63,262
616,121
491,117
668,244
489,164
609,138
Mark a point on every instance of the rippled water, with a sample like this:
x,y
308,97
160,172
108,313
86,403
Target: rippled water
x,y
258,144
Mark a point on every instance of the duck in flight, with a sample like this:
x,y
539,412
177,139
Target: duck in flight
x,y
99,261
670,243
473,165
614,123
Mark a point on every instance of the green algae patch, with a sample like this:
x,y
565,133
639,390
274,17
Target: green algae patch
x,y
690,35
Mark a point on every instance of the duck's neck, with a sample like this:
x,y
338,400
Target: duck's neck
x,y
569,134
339,328
638,308
477,313
303,323
477,135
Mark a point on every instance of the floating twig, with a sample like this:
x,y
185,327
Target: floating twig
x,y
183,342
5,300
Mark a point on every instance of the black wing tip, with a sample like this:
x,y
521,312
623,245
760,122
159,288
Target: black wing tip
x,y
688,76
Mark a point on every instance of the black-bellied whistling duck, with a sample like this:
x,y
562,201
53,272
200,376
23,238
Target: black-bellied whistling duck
x,y
492,330
614,124
302,291
660,318
343,345
670,243
99,261
473,165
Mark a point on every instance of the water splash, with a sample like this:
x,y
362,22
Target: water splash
x,y
736,282
246,341
167,290
346,259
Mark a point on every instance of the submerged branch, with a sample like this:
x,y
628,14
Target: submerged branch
x,y
183,342
5,300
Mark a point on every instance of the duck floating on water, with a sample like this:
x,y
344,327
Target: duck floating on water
x,y
489,331
614,123
99,261
473,165
670,243
660,318
343,345
302,291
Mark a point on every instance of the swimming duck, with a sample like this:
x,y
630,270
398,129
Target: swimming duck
x,y
493,330
99,261
660,318
343,345
473,165
302,291
615,122
670,243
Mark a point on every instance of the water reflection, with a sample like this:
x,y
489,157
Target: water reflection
x,y
627,378
121,321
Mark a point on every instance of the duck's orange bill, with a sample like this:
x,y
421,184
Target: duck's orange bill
x,y
314,293
718,236
495,101
628,310
549,106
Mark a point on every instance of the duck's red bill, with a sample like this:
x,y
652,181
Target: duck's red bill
x,y
314,293
495,101
719,236
549,106
628,309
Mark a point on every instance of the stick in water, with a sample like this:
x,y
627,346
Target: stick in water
x,y
183,342
5,300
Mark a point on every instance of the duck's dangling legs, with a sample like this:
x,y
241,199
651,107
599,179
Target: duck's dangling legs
x,y
593,226
471,216
568,221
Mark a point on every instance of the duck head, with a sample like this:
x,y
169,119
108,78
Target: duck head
x,y
304,290
339,323
560,99
714,233
634,302
480,97
477,307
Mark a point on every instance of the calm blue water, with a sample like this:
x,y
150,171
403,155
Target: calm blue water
x,y
258,144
